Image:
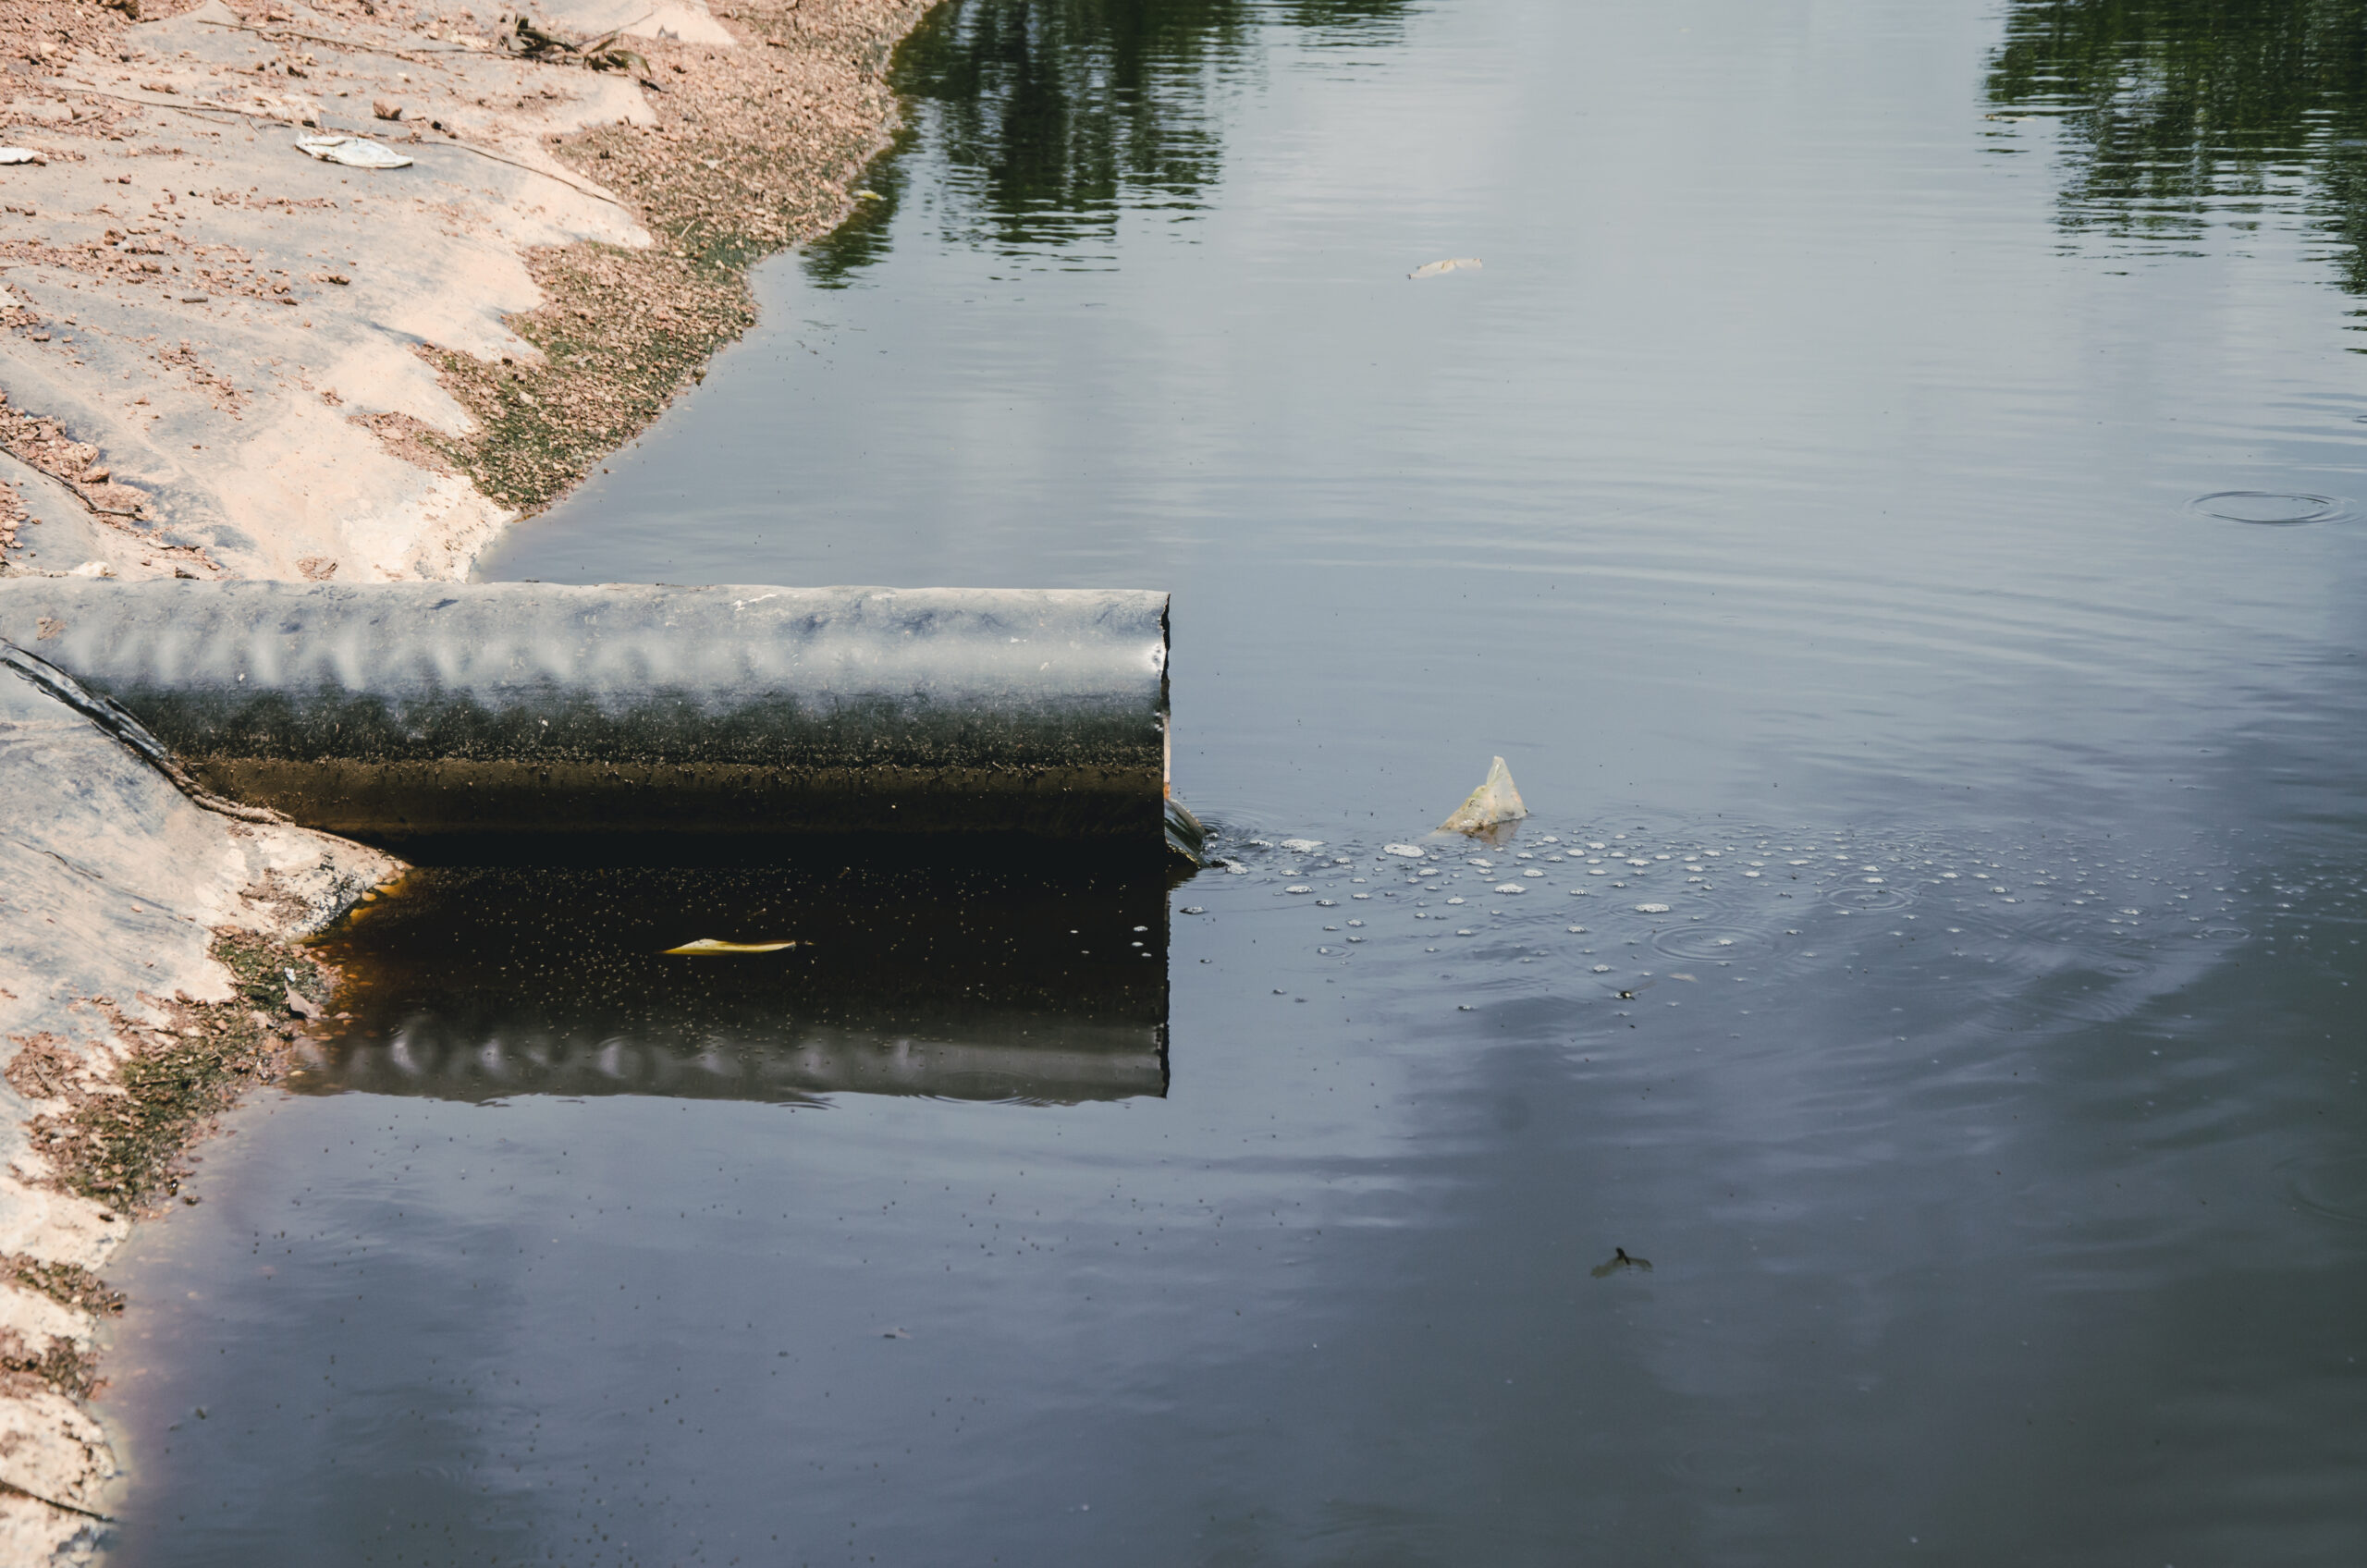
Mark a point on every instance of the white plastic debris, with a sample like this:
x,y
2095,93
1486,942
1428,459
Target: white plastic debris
x,y
1403,852
353,152
1496,801
1439,269
92,569
19,155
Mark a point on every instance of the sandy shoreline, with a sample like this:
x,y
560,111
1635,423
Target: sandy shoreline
x,y
224,358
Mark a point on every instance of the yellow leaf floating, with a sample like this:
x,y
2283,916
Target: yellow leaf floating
x,y
707,946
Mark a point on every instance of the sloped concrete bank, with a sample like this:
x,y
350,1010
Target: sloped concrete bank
x,y
221,357
122,899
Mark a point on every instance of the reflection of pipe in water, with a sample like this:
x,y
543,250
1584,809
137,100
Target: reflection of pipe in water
x,y
442,1056
394,710
979,979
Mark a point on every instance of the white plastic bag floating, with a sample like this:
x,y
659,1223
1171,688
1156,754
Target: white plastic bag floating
x,y
1495,802
353,152
1439,269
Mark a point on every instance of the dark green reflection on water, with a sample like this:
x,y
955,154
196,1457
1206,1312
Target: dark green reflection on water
x,y
1052,116
2177,114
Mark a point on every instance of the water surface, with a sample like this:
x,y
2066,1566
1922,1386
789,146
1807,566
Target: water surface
x,y
1891,493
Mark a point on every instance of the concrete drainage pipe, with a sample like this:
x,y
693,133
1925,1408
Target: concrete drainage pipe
x,y
399,710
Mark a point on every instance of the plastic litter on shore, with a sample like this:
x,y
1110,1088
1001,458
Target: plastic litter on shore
x,y
1439,269
19,155
1495,802
353,152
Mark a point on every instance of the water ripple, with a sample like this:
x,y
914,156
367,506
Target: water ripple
x,y
2270,508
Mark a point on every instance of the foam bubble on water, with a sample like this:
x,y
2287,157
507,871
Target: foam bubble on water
x,y
1509,887
1301,846
1403,852
1652,909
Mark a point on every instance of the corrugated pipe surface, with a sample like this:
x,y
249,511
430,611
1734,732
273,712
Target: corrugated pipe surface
x,y
396,710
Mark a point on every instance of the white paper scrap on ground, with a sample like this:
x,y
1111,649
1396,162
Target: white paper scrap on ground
x,y
353,152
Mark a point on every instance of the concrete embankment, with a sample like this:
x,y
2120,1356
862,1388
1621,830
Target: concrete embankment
x,y
221,357
230,359
121,900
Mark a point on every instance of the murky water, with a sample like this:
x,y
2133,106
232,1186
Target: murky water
x,y
1892,493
